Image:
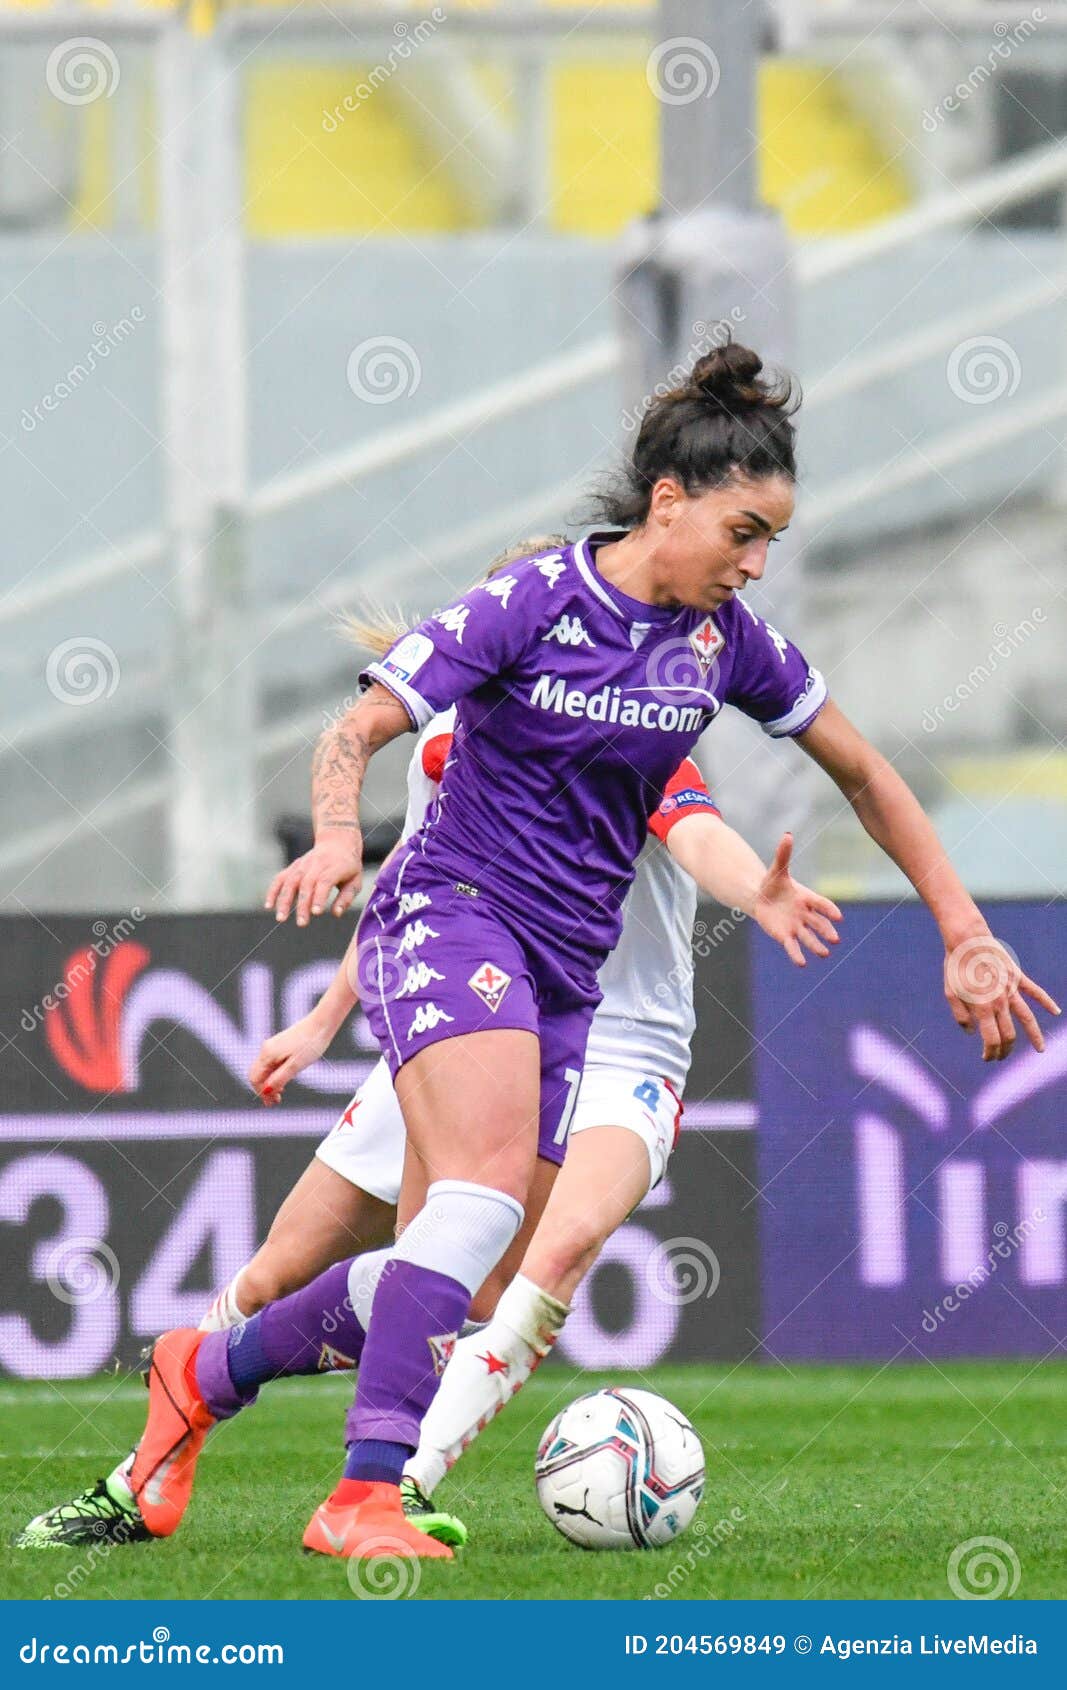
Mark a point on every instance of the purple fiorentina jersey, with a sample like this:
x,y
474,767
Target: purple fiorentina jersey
x,y
575,705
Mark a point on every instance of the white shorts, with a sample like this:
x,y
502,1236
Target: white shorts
x,y
366,1146
645,1104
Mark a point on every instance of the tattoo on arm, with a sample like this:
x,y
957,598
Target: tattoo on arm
x,y
337,771
343,752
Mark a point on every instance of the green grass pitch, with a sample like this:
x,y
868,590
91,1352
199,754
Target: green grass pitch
x,y
822,1482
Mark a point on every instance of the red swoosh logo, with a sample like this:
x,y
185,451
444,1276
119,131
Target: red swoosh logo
x,y
83,1030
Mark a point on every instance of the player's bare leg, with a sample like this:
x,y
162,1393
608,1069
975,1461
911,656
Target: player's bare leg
x,y
324,1219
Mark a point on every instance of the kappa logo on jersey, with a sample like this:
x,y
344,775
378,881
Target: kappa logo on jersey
x,y
427,1017
415,933
419,976
778,641
501,588
490,983
412,901
441,1349
569,631
333,1361
552,568
408,656
707,642
454,619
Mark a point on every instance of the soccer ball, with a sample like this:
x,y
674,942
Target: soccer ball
x,y
620,1469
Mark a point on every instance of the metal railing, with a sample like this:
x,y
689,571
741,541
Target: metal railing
x,y
971,202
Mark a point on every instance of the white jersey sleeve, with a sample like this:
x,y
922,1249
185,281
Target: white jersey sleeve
x,y
645,1020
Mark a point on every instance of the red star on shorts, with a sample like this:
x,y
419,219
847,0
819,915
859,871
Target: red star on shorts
x,y
494,1363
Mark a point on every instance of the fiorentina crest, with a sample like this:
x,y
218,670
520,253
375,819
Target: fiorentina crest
x,y
490,984
441,1349
707,642
334,1361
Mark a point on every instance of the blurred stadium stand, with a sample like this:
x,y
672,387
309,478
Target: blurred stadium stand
x,y
468,209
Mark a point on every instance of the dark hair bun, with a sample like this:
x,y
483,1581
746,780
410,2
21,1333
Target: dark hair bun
x,y
730,377
725,418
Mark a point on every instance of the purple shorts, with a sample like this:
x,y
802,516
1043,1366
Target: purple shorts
x,y
437,960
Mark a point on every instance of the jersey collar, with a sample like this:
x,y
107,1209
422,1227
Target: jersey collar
x,y
619,603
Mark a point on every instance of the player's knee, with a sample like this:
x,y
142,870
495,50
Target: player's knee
x,y
562,1255
264,1280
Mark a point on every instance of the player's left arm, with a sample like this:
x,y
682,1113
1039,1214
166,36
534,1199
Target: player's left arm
x,y
892,815
726,867
337,772
688,822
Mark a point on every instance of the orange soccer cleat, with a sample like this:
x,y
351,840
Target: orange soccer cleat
x,y
375,1527
179,1420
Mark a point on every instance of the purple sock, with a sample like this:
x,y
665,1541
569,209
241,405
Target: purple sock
x,y
313,1331
417,1314
377,1459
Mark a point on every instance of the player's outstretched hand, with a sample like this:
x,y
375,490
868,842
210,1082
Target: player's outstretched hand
x,y
334,860
286,1054
987,991
792,913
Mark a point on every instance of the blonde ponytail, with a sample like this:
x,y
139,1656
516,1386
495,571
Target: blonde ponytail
x,y
375,630
372,629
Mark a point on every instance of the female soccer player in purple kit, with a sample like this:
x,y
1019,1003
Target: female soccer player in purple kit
x,y
582,678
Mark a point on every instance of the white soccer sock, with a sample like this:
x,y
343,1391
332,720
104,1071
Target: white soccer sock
x,y
461,1231
484,1372
120,1475
363,1277
225,1311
